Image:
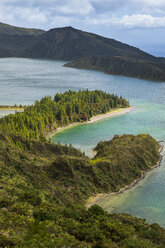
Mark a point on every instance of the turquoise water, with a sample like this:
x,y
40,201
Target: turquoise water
x,y
145,200
22,81
144,118
6,112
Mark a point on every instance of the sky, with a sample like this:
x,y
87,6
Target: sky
x,y
140,23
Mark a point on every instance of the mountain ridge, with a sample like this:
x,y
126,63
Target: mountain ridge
x,y
14,30
82,49
13,39
69,43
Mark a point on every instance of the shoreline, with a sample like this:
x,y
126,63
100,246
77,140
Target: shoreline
x,y
11,108
94,199
113,113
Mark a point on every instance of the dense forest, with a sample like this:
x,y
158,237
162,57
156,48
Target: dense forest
x,y
44,187
48,114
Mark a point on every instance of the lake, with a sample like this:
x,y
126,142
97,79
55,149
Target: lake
x,y
23,81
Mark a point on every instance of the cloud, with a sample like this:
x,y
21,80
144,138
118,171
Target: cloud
x,y
129,3
61,21
21,15
128,7
151,3
62,6
132,21
44,12
53,13
31,15
140,21
75,7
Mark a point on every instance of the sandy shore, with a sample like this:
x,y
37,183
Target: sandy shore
x,y
95,199
116,112
11,108
96,118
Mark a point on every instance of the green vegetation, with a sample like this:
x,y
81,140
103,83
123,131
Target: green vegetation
x,y
44,186
124,158
122,65
38,120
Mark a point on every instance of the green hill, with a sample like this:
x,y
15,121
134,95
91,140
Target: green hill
x,y
44,187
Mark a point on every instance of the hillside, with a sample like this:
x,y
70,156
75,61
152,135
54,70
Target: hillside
x,y
68,44
92,51
13,30
12,38
122,65
44,187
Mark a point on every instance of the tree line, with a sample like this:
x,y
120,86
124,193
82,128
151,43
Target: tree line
x,y
48,114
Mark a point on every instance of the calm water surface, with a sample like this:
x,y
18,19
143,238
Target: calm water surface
x,y
23,81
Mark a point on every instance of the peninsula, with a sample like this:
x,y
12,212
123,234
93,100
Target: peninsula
x,y
95,199
45,116
44,186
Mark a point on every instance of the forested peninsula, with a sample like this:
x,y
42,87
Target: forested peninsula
x,y
44,187
48,114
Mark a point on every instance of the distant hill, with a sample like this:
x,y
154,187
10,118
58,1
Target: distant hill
x,y
12,39
69,44
13,30
86,50
121,65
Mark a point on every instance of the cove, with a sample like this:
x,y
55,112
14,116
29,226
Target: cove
x,y
144,118
147,199
23,81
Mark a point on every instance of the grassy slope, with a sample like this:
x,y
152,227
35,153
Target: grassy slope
x,y
42,186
